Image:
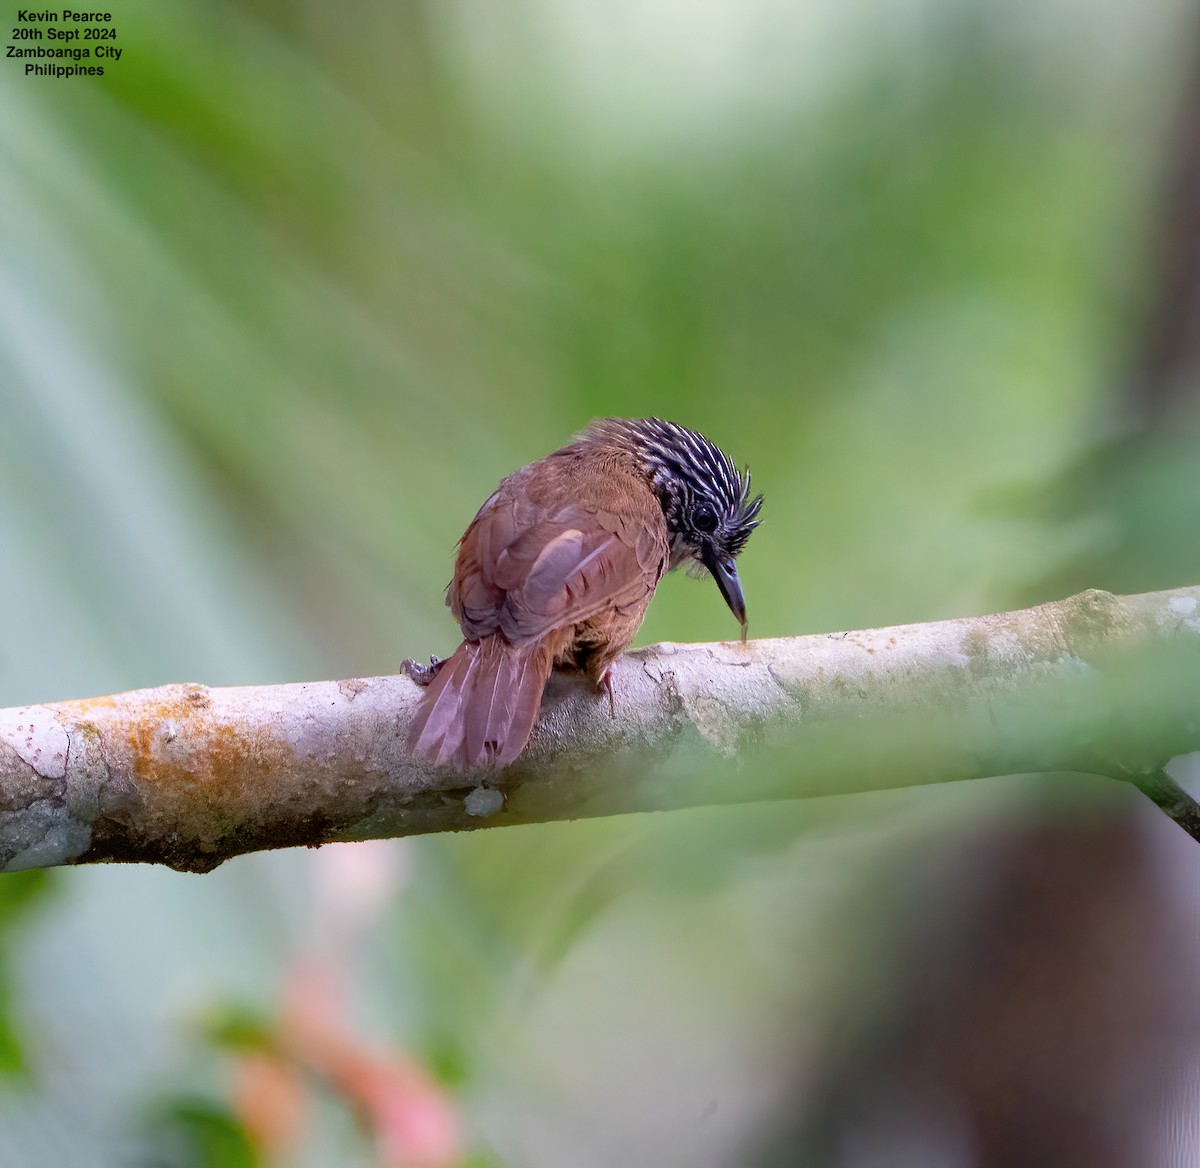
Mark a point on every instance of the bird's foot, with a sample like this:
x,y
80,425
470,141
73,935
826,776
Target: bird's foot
x,y
606,684
422,674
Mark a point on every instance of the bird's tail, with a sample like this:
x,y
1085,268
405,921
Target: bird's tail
x,y
480,708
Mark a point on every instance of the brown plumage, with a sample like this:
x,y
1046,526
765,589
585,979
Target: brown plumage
x,y
557,568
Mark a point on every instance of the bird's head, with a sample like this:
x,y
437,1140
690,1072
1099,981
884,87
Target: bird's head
x,y
706,500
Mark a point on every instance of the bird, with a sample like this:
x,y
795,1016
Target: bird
x,y
558,567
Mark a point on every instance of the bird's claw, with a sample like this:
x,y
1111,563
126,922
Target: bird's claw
x,y
606,684
422,674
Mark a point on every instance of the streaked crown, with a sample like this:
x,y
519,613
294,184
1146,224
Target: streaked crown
x,y
706,500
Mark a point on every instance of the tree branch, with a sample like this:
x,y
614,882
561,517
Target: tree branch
x,y
1172,799
189,776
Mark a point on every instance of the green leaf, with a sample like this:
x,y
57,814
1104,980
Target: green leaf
x,y
191,1132
20,890
12,1059
239,1028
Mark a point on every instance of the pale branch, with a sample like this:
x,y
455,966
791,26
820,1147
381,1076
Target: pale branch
x,y
189,776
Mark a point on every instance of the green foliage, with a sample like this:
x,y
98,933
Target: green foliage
x,y
234,1028
11,1056
20,893
193,1132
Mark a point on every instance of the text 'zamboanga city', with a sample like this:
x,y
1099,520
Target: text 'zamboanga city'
x,y
42,37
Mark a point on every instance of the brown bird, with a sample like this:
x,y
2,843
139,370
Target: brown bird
x,y
557,569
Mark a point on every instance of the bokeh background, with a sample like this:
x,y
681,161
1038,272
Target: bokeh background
x,y
282,297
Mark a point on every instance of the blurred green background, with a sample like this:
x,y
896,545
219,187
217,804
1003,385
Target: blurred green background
x,y
282,297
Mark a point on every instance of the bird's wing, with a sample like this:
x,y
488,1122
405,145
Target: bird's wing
x,y
525,572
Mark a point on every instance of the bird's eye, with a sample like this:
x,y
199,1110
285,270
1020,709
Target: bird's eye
x,y
705,518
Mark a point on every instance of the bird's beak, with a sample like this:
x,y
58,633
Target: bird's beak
x,y
724,572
